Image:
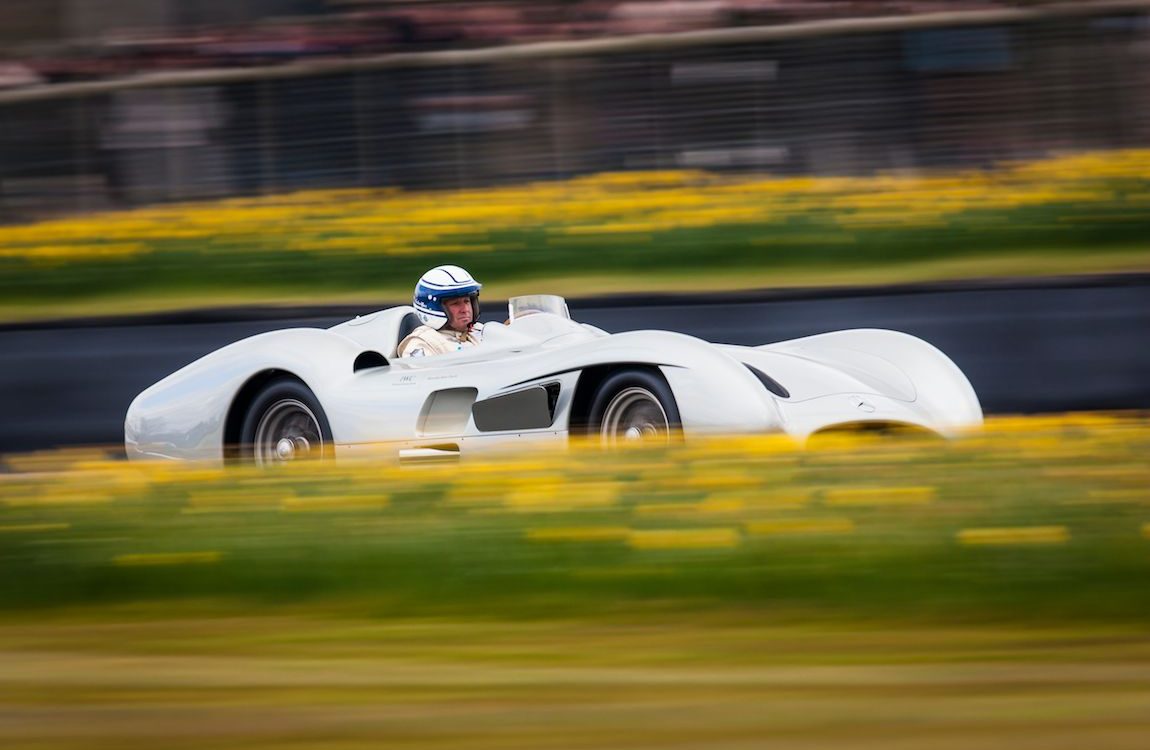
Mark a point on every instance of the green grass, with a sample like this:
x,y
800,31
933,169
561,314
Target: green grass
x,y
517,602
178,274
781,531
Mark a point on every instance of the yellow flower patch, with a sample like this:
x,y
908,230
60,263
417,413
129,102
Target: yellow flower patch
x,y
879,496
801,527
1019,535
578,534
634,205
167,558
717,538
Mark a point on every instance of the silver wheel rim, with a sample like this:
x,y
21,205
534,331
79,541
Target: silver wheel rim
x,y
288,431
635,416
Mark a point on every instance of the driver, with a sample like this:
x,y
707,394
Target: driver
x,y
447,302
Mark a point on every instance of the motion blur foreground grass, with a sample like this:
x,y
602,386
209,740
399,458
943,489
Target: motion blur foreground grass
x,y
1034,519
986,593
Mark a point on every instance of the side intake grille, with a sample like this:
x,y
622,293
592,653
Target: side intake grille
x,y
770,383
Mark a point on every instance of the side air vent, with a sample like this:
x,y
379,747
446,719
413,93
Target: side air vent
x,y
528,409
369,359
770,383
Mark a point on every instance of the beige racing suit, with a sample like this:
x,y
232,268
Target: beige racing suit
x,y
426,341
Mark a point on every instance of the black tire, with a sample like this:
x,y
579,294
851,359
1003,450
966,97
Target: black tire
x,y
634,406
285,410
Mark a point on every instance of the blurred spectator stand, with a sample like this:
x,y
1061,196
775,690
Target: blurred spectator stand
x,y
294,105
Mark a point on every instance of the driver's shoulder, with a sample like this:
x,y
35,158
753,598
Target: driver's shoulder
x,y
423,332
424,340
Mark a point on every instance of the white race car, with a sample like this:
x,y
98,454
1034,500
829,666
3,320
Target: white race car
x,y
340,392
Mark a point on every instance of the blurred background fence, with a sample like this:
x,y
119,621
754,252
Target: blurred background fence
x,y
838,97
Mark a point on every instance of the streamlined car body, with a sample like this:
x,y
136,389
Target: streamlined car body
x,y
341,392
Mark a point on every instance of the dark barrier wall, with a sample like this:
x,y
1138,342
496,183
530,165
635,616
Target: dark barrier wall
x,y
960,90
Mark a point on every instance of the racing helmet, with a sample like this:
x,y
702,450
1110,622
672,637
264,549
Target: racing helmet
x,y
443,283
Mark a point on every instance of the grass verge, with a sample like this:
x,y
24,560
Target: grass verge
x,y
986,592
1029,521
324,680
633,232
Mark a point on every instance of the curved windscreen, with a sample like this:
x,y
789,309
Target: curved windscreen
x,y
529,304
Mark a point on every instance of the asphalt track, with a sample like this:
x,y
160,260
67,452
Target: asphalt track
x,y
1049,346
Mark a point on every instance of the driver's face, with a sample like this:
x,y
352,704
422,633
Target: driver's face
x,y
458,313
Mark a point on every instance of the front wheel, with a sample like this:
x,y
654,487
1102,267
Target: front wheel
x,y
634,407
284,424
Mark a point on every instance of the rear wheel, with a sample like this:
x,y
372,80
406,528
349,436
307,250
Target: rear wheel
x,y
634,407
284,424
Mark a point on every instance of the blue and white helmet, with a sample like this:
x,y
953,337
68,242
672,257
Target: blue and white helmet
x,y
444,283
